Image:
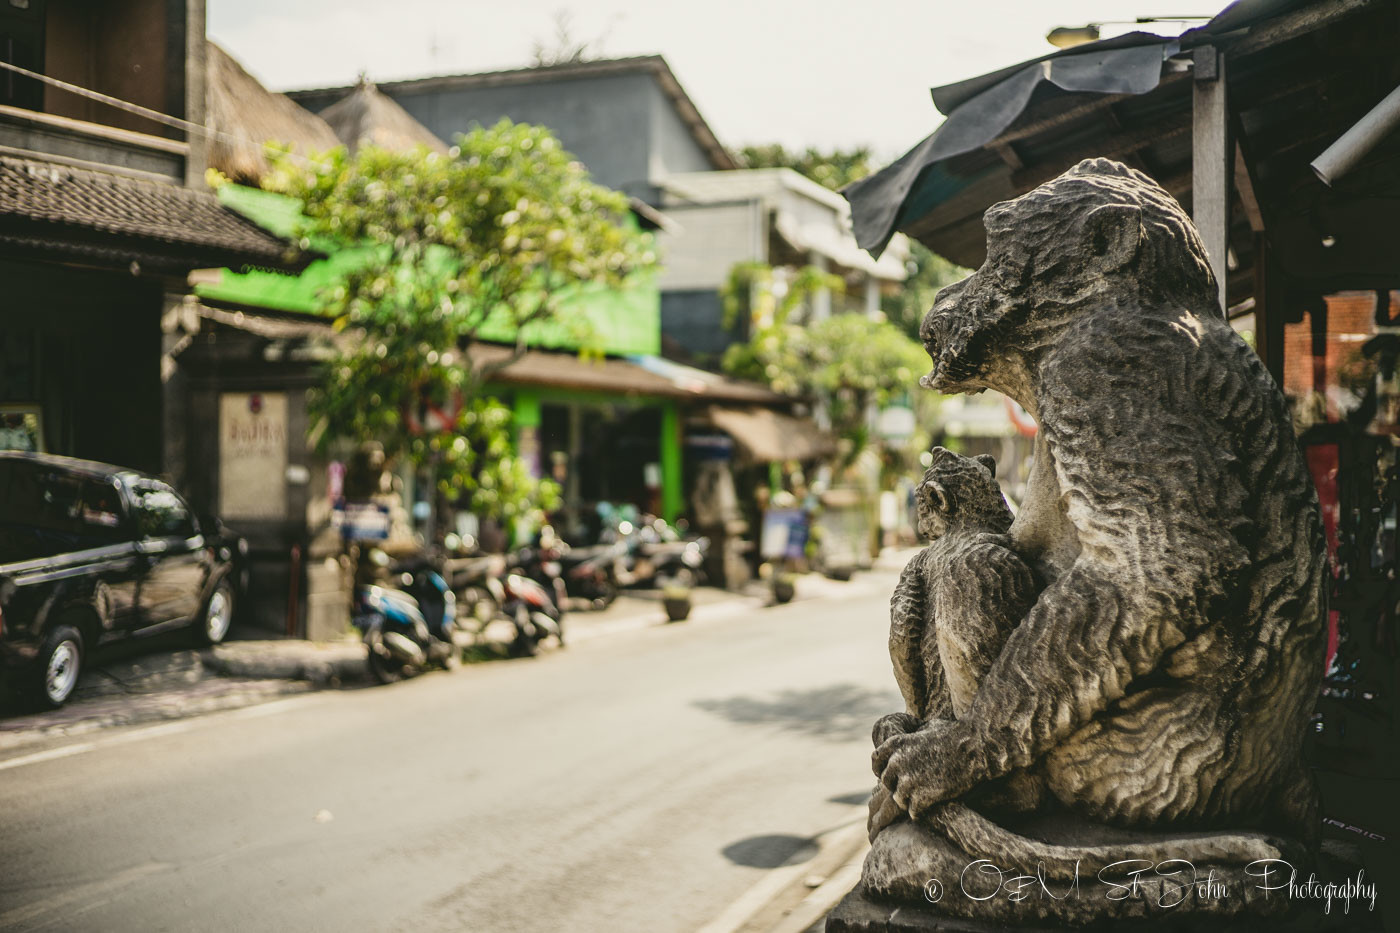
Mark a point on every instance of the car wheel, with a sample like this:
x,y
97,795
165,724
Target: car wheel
x,y
59,663
218,614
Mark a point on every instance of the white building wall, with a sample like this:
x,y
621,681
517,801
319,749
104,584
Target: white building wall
x,y
711,239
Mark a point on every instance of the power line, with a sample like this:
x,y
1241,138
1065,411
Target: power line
x,y
153,115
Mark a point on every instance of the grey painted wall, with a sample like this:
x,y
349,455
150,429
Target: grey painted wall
x,y
622,127
694,319
673,148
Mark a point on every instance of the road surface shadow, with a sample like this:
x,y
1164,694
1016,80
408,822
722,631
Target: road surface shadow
x,y
771,851
840,712
858,799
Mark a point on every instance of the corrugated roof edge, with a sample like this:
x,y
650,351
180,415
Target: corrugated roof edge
x,y
879,199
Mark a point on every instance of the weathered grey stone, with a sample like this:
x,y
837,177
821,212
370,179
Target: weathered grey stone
x,y
1139,651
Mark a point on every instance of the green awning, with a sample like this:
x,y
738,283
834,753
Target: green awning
x,y
620,321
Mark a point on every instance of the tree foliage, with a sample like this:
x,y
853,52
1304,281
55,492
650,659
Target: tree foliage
x,y
486,234
849,360
835,169
928,274
565,47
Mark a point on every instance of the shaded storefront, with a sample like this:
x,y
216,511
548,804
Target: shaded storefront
x,y
614,429
94,308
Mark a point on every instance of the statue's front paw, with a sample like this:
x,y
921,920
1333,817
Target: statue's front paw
x,y
925,768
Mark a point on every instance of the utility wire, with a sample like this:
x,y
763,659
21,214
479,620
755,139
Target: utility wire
x,y
138,110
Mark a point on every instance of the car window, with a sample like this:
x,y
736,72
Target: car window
x,y
101,511
46,511
160,513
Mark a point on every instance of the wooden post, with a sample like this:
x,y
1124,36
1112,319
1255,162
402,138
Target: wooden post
x,y
1211,161
1268,310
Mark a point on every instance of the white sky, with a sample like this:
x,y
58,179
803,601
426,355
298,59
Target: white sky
x,y
801,73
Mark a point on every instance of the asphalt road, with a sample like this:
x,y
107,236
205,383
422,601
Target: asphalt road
x,y
641,782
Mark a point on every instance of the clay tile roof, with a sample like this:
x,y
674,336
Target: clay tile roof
x,y
69,213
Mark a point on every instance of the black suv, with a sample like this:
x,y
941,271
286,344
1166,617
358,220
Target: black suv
x,y
90,553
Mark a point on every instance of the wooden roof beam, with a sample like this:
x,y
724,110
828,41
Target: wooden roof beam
x,y
1009,156
1121,146
1292,25
1244,187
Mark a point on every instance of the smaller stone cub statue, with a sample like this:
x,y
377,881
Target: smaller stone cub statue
x,y
960,597
952,610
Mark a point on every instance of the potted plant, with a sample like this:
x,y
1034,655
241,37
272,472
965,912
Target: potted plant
x,y
675,597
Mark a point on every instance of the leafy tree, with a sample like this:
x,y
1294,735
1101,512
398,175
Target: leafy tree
x,y
752,292
480,239
849,360
835,169
565,47
928,274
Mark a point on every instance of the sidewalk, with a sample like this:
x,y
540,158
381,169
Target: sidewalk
x,y
162,679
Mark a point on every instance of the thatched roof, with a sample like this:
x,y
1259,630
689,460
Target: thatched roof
x,y
238,106
365,116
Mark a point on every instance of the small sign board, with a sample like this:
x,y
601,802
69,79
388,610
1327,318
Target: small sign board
x,y
362,521
895,423
253,455
784,534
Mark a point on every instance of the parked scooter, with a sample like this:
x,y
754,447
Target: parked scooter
x,y
476,579
536,611
590,573
523,587
409,629
544,563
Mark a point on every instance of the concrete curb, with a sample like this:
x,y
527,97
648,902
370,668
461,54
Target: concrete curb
x,y
793,898
214,695
321,665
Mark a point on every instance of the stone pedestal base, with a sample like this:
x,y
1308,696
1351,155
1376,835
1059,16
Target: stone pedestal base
x,y
1308,912
859,914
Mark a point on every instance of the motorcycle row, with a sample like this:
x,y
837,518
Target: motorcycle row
x,y
409,611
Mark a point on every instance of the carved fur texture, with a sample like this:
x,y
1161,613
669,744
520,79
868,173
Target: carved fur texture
x,y
1164,675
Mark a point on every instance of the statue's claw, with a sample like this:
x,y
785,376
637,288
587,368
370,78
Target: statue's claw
x,y
883,812
894,724
925,768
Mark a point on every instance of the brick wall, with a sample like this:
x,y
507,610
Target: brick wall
x,y
1350,323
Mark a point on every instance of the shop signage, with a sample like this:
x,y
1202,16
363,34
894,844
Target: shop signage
x,y
253,455
362,521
